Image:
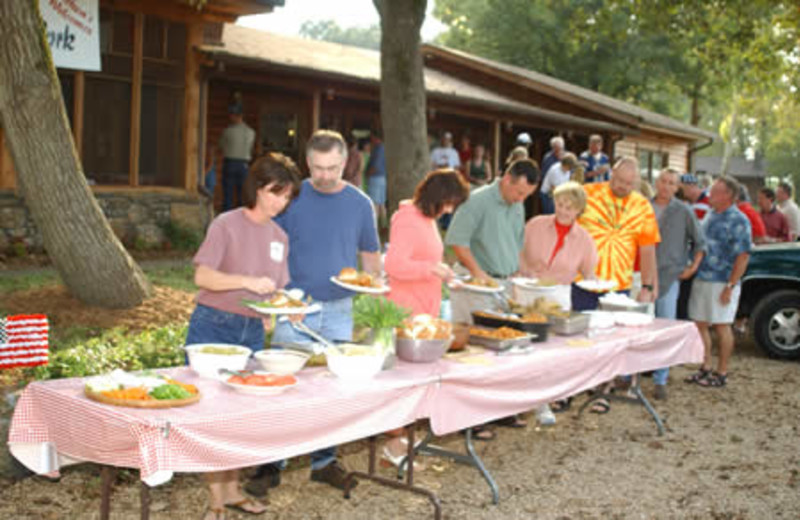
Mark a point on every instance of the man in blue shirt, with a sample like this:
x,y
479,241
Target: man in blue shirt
x,y
596,163
330,224
716,290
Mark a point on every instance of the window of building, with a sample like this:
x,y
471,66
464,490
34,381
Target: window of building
x,y
278,132
651,162
107,143
162,103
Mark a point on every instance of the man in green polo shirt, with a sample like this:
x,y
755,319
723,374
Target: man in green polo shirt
x,y
487,233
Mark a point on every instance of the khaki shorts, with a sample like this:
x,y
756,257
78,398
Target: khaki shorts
x,y
704,304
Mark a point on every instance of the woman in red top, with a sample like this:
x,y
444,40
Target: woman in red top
x,y
555,247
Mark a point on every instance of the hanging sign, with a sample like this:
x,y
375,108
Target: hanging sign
x,y
73,31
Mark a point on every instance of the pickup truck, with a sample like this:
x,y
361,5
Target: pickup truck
x,y
770,299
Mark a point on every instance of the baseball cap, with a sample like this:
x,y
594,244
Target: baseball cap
x,y
524,138
688,178
447,135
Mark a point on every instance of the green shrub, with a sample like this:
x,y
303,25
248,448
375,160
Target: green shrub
x,y
182,238
157,348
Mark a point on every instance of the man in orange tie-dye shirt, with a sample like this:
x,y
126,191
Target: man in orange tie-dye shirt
x,y
622,222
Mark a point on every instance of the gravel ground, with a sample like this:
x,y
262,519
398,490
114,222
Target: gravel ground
x,y
731,453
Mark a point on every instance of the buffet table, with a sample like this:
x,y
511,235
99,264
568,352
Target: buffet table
x,y
54,424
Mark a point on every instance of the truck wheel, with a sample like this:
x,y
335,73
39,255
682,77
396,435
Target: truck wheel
x,y
776,324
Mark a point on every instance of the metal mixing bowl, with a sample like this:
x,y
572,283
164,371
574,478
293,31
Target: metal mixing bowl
x,y
422,350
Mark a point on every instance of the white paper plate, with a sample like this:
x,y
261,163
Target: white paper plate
x,y
633,319
476,288
532,283
257,390
359,288
597,285
308,309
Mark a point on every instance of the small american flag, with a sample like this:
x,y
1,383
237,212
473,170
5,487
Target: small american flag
x,y
23,341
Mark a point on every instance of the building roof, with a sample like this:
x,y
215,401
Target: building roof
x,y
738,167
351,63
572,93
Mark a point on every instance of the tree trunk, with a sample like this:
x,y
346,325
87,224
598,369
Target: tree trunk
x,y
79,241
732,127
403,113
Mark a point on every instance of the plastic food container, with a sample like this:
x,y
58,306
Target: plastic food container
x,y
422,350
281,362
354,363
206,363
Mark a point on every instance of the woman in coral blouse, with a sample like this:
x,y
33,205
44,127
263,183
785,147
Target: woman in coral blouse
x,y
414,260
556,248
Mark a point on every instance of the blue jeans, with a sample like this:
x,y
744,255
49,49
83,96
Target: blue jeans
x,y
209,325
334,322
666,307
376,189
548,206
234,172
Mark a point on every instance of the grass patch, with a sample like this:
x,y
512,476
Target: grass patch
x,y
10,282
177,277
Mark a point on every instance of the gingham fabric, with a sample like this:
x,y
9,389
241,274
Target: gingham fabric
x,y
227,430
23,341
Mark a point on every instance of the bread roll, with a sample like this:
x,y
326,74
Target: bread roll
x,y
348,274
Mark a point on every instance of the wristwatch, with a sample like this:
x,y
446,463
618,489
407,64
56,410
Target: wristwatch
x,y
730,285
647,286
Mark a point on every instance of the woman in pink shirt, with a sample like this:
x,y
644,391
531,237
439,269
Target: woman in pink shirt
x,y
414,259
555,247
244,255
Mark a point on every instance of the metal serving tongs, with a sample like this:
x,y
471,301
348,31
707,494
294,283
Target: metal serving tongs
x,y
503,301
305,329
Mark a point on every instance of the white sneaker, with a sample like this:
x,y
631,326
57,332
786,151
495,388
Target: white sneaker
x,y
545,415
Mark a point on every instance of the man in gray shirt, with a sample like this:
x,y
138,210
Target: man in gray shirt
x,y
236,143
680,236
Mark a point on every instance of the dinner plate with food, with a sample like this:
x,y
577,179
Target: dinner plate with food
x,y
259,382
140,390
481,285
359,281
284,302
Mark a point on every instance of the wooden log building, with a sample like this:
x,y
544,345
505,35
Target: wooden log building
x,y
144,125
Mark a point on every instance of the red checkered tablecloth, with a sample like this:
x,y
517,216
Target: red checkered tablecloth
x,y
55,424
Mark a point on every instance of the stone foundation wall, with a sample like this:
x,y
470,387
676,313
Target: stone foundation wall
x,y
137,218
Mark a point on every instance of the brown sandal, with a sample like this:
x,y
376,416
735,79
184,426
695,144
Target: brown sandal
x,y
241,506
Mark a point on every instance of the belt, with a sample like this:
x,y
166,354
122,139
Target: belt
x,y
499,276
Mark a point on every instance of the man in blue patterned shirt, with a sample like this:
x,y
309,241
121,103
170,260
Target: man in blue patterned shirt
x,y
715,292
597,167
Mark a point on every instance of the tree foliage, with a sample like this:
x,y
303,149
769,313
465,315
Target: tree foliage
x,y
726,65
330,31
